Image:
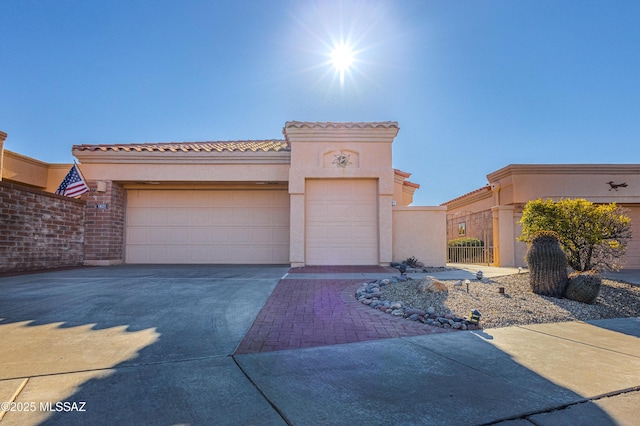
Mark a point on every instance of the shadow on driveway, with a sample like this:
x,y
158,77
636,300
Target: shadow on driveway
x,y
151,345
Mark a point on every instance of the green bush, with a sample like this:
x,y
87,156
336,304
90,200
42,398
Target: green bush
x,y
465,242
593,236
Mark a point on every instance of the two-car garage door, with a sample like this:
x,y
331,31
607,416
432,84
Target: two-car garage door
x,y
207,226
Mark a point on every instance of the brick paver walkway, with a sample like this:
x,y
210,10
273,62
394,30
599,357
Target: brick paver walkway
x,y
316,312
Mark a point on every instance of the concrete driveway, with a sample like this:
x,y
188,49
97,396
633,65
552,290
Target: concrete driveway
x,y
139,345
153,345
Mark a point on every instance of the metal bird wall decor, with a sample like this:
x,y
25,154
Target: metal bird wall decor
x,y
616,185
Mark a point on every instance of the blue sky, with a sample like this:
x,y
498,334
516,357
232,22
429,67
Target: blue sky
x,y
474,85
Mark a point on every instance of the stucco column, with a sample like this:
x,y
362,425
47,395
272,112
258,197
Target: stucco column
x,y
3,137
385,220
503,235
296,230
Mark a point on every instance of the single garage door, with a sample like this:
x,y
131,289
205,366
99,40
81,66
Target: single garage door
x,y
341,222
207,226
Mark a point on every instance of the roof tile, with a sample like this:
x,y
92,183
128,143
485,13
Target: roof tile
x,y
219,146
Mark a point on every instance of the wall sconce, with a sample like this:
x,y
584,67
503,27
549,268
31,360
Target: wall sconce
x,y
102,186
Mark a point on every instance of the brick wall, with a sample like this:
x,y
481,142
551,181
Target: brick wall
x,y
105,224
39,230
477,225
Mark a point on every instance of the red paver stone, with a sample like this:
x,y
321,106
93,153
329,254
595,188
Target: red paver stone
x,y
338,269
306,313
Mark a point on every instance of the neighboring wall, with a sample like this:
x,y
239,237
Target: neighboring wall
x,y
39,230
25,170
420,232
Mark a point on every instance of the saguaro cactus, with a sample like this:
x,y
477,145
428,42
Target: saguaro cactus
x,y
547,265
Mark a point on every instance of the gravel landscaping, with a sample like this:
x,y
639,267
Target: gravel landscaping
x,y
516,306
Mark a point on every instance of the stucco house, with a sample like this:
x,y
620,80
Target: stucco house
x,y
492,212
326,194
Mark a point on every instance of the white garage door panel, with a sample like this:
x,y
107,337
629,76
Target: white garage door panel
x,y
341,222
207,226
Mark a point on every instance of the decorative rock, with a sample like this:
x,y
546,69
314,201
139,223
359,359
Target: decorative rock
x,y
430,284
371,294
419,312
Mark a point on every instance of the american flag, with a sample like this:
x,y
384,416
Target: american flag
x,y
73,185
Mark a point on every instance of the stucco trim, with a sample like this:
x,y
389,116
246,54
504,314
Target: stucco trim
x,y
519,169
352,132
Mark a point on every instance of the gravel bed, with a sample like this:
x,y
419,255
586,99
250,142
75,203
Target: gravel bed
x,y
518,305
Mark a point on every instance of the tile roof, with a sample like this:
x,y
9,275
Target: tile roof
x,y
475,191
341,125
221,146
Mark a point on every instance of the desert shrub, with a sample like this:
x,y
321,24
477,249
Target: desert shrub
x,y
465,242
412,262
593,236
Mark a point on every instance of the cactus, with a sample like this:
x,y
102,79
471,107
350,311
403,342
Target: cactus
x,y
583,286
547,264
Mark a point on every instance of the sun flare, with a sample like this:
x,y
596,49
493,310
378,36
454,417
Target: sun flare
x,y
342,57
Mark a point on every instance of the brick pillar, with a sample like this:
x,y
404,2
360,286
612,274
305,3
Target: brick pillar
x,y
104,223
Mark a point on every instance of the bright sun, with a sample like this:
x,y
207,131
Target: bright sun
x,y
342,57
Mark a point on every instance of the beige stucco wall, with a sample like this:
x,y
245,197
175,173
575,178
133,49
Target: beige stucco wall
x,y
185,167
420,232
514,185
520,183
21,169
315,150
29,171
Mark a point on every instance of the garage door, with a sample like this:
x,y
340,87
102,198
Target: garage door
x,y
341,222
207,226
632,259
